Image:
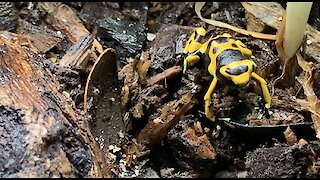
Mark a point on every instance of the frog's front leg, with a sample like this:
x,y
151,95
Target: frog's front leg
x,y
191,59
207,99
194,47
264,87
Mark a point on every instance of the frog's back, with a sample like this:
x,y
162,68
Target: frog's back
x,y
225,50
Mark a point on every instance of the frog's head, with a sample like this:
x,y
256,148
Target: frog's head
x,y
239,72
191,49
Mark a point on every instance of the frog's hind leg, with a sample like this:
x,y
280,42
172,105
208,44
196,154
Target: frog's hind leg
x,y
207,99
264,87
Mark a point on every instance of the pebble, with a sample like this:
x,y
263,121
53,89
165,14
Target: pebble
x,y
309,42
151,36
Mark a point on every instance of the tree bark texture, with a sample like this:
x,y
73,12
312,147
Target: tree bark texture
x,y
41,134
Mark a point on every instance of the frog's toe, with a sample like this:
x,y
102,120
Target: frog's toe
x,y
211,118
185,63
266,112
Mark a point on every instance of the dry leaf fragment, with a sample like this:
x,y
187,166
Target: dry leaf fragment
x,y
302,142
312,98
290,136
143,67
138,110
268,12
125,95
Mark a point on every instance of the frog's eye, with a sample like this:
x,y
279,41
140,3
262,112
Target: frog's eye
x,y
237,70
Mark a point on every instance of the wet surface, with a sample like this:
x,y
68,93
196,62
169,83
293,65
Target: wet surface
x,y
77,154
13,142
192,144
126,37
122,28
8,16
168,47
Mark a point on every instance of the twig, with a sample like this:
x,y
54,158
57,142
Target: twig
x,y
198,7
165,74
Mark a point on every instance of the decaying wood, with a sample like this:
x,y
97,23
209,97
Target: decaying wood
x,y
253,23
165,74
8,16
19,39
66,21
156,129
313,49
170,114
79,53
41,134
268,12
42,38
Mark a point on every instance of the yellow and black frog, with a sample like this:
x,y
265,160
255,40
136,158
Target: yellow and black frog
x,y
229,61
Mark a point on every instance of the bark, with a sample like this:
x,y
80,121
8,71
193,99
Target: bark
x,y
79,53
41,134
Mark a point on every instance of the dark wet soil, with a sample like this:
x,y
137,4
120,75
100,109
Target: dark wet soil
x,y
10,119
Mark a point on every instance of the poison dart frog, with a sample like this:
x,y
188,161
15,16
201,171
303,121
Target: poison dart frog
x,y
229,61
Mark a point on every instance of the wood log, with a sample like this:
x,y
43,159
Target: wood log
x,y
42,135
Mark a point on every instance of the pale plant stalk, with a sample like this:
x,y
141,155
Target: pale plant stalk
x,y
296,22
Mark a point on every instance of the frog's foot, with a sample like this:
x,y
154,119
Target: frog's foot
x,y
207,99
266,111
211,118
267,105
208,112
